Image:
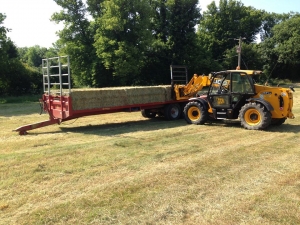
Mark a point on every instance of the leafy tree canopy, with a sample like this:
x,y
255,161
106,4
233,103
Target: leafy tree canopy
x,y
222,24
76,40
286,40
122,37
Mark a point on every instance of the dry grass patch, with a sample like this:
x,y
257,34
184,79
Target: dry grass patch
x,y
124,169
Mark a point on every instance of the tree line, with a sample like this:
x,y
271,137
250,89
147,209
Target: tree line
x,y
118,42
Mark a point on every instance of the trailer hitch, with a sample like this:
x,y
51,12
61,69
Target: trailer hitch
x,y
23,130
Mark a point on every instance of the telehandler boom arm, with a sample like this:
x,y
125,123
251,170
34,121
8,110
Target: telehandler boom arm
x,y
189,90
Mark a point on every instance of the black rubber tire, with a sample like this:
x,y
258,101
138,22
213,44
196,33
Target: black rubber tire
x,y
147,113
255,116
278,122
195,113
172,111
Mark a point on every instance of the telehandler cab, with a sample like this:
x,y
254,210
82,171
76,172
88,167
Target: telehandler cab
x,y
233,94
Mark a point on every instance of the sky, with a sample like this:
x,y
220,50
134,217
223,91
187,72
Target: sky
x,y
29,20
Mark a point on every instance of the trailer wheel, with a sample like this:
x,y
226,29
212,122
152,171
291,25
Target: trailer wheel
x,y
255,116
172,111
147,113
194,113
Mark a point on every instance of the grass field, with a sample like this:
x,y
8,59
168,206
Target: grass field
x,y
124,169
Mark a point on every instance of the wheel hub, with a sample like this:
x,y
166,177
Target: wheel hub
x,y
254,117
194,113
174,112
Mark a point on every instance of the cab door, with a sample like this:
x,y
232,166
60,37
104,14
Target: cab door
x,y
241,89
219,96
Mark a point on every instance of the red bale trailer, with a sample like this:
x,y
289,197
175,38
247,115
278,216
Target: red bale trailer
x,y
63,103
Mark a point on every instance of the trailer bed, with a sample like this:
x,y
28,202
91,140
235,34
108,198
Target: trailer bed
x,y
63,103
61,108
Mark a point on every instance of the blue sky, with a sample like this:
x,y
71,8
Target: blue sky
x,y
277,6
29,20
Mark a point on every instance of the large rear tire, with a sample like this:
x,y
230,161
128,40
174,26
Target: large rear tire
x,y
172,111
255,116
195,113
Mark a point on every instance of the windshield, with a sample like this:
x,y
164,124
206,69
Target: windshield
x,y
241,83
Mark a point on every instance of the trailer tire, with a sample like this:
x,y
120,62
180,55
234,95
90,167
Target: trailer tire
x,y
172,111
195,113
147,113
255,116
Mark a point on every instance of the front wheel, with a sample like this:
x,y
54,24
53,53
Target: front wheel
x,y
255,116
195,113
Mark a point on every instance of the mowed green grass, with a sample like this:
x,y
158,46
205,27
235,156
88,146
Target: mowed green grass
x,y
124,169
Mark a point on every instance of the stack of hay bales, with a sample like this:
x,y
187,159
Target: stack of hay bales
x,y
169,90
93,98
97,98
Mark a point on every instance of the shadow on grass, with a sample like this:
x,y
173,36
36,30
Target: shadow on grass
x,y
121,128
288,128
158,124
284,128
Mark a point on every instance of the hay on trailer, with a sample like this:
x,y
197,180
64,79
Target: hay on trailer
x,y
93,98
142,95
97,98
168,90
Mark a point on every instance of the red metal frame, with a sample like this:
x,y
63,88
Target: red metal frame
x,y
23,130
60,109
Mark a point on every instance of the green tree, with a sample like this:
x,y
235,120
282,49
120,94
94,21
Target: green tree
x,y
76,40
281,52
250,57
231,19
94,8
15,77
32,56
52,51
183,16
286,40
269,20
123,37
3,30
175,42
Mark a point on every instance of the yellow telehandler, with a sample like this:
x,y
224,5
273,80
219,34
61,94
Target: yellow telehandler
x,y
233,94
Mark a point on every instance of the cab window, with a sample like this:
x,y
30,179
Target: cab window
x,y
220,84
241,83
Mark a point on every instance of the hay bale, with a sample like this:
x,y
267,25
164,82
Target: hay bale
x,y
93,98
97,98
147,94
168,90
